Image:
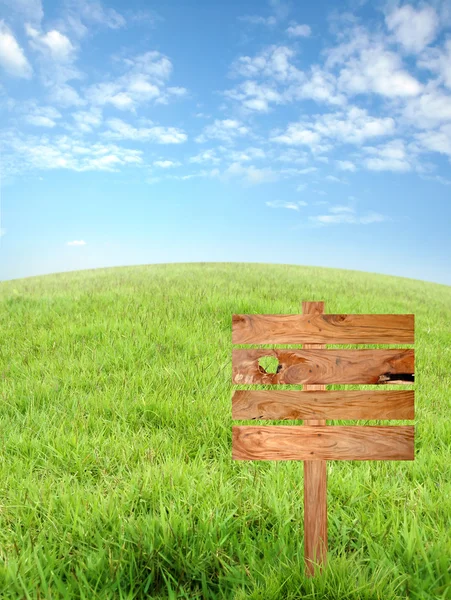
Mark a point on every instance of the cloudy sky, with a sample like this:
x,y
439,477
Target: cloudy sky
x,y
137,132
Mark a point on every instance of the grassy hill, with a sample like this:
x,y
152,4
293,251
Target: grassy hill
x,y
116,473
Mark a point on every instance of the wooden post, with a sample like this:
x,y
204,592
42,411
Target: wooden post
x,y
315,482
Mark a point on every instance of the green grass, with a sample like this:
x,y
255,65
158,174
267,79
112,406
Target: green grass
x,y
116,473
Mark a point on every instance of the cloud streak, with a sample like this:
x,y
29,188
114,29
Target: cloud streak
x,y
12,56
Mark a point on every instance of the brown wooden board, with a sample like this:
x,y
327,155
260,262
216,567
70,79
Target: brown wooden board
x,y
323,328
324,366
333,404
291,442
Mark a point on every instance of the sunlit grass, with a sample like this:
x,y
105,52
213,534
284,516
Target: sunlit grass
x,y
116,473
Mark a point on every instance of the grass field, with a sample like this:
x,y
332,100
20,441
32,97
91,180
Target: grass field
x,y
116,473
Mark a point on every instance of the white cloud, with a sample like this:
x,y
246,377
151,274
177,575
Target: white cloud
x,y
257,20
165,164
65,95
413,29
333,179
281,9
250,153
291,205
351,126
389,157
65,152
109,93
366,66
54,44
28,10
346,165
87,120
95,12
293,172
273,62
203,173
341,209
438,60
299,31
378,71
254,96
153,64
82,14
204,157
297,134
320,86
121,100
12,57
345,218
56,58
249,174
140,86
438,179
144,80
307,170
177,91
292,155
121,130
429,109
77,243
211,156
436,141
43,116
226,130
284,82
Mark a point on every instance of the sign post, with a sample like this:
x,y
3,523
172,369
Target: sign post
x,y
315,366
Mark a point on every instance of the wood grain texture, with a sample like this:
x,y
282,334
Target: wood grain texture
x,y
315,480
323,328
324,366
292,442
315,366
334,404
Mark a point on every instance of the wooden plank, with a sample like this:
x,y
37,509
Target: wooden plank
x,y
324,366
334,404
320,328
292,442
315,479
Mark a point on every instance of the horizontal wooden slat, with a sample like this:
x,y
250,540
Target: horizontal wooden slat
x,y
334,404
323,328
291,442
324,366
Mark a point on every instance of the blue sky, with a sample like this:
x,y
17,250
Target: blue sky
x,y
313,133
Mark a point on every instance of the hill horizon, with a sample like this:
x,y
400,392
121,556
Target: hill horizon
x,y
111,268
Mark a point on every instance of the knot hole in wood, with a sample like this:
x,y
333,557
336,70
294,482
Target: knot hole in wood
x,y
269,364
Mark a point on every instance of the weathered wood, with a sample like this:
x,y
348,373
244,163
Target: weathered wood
x,y
292,442
324,366
315,480
320,328
334,404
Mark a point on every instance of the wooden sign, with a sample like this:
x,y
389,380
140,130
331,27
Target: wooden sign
x,y
315,367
